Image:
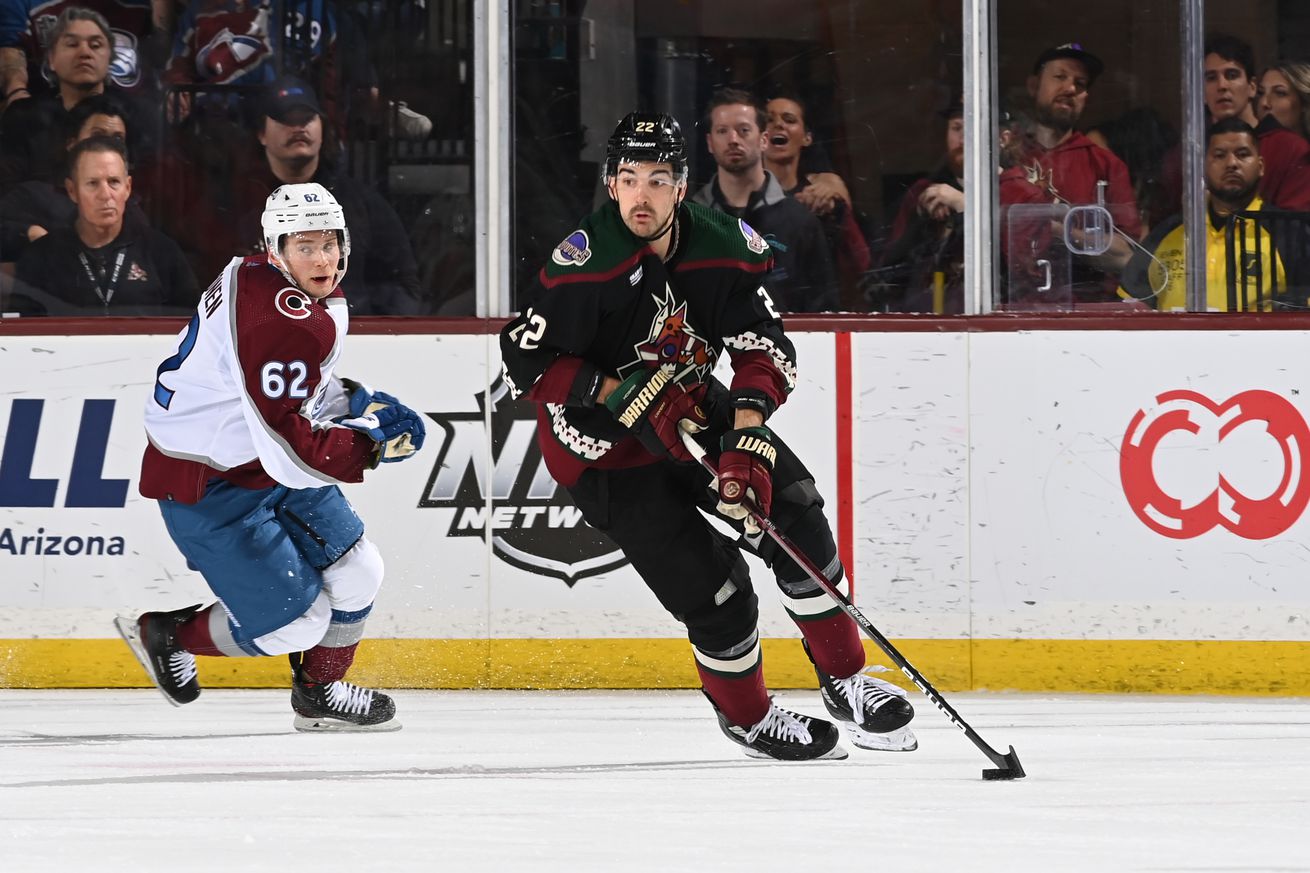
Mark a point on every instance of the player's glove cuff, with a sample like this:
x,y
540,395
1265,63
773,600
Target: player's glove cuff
x,y
398,430
745,481
360,396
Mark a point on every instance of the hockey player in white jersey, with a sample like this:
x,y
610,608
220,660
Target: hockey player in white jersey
x,y
250,434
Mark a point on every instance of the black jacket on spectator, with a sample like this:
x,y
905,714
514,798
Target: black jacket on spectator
x,y
382,275
802,278
44,204
153,278
29,140
32,135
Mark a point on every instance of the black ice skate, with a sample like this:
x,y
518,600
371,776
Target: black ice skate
x,y
153,640
883,710
784,736
340,706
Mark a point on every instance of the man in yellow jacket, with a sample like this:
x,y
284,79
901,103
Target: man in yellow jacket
x,y
1248,247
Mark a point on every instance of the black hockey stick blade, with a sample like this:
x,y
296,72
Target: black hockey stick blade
x,y
1012,769
1007,766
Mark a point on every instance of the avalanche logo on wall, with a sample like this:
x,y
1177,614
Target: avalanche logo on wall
x,y
754,241
532,522
574,251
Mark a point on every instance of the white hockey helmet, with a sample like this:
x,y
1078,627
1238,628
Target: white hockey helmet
x,y
298,208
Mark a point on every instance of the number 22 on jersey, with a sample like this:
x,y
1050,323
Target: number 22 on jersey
x,y
528,334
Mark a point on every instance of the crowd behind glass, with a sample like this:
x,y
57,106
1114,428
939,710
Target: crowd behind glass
x,y
139,139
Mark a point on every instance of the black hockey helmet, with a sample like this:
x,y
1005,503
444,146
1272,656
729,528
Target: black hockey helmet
x,y
647,136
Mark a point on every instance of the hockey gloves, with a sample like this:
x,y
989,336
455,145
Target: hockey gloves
x,y
397,429
746,474
651,405
360,396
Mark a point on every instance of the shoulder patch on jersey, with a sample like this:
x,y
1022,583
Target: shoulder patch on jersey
x,y
291,302
574,251
754,241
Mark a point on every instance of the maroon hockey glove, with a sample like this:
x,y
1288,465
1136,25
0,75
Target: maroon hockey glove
x,y
651,405
746,474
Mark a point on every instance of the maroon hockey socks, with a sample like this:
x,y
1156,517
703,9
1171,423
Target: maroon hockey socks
x,y
735,682
194,634
327,664
834,644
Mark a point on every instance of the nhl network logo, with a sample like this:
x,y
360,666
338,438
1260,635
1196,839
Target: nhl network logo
x,y
532,522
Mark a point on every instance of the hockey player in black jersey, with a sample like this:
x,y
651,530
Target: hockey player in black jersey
x,y
617,342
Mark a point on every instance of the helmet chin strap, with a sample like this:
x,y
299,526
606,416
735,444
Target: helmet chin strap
x,y
275,259
664,229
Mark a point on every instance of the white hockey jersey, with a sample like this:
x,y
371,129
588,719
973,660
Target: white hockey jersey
x,y
248,395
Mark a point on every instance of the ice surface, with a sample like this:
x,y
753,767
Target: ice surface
x,y
643,781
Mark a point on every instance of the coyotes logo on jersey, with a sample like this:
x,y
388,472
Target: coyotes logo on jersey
x,y
674,342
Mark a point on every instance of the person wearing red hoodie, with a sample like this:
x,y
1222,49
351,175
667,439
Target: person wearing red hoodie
x,y
1069,166
1230,92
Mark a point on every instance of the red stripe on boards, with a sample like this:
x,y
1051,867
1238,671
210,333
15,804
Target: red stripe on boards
x,y
845,463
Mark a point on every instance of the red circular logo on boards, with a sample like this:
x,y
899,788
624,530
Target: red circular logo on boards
x,y
1255,518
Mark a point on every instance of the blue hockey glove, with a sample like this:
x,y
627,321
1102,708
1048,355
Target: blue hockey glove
x,y
397,429
361,396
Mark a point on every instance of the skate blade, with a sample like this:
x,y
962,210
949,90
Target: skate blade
x,y
307,725
836,753
129,631
899,740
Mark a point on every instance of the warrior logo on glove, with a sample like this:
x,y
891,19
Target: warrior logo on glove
x,y
746,474
747,442
654,407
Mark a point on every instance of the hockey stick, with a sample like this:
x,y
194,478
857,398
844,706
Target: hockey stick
x,y
1007,765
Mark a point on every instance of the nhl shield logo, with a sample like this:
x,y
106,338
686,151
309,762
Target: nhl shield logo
x,y
532,523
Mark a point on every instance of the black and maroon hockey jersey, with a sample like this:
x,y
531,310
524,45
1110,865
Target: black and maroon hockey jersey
x,y
606,304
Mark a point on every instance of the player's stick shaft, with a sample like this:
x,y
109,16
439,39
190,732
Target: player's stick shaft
x,y
1008,766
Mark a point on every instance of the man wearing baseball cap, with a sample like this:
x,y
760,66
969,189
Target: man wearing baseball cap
x,y
286,95
383,276
1069,166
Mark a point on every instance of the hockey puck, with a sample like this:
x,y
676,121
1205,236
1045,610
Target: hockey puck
x,y
993,775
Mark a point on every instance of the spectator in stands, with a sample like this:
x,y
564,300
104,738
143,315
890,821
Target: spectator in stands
x,y
238,42
1230,90
80,50
108,262
922,266
788,139
808,175
802,277
141,31
382,278
233,43
1069,166
1233,168
1148,146
1284,93
32,209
